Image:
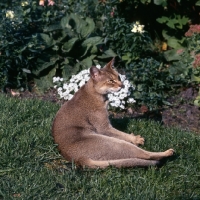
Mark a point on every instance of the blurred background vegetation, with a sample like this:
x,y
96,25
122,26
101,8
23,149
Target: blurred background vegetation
x,y
41,39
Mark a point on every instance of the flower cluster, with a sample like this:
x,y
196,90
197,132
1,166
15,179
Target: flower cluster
x,y
50,2
116,99
196,62
68,89
137,28
10,14
194,29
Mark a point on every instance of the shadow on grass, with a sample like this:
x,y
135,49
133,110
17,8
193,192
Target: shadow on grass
x,y
121,123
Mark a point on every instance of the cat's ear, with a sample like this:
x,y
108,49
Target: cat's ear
x,y
110,65
94,73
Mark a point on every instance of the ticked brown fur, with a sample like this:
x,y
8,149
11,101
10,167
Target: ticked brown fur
x,y
83,131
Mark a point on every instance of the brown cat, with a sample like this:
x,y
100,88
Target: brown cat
x,y
84,134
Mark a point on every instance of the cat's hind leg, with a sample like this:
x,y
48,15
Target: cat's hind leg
x,y
103,151
121,163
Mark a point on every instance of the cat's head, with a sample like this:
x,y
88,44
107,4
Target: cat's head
x,y
107,79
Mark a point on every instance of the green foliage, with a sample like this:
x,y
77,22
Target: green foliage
x,y
152,81
44,41
128,45
18,36
72,46
172,17
60,40
175,22
31,167
185,62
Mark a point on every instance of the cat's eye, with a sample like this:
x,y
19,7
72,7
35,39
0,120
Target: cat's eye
x,y
111,81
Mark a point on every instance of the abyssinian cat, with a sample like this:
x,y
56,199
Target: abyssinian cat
x,y
83,131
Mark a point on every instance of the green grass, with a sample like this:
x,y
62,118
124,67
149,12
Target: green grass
x,y
31,167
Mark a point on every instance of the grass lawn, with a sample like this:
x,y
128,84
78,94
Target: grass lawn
x,y
31,167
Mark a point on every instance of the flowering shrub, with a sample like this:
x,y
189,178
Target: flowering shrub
x,y
185,62
116,99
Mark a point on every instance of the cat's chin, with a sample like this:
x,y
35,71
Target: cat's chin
x,y
113,91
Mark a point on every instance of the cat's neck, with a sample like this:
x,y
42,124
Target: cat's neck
x,y
90,89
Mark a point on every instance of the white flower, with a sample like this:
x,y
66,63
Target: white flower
x,y
24,3
65,86
59,89
122,77
131,100
122,106
134,30
56,79
137,28
10,14
70,96
81,83
98,66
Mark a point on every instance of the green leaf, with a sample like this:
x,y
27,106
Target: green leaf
x,y
160,2
67,46
45,82
87,29
195,78
65,22
46,67
48,40
93,41
165,35
162,20
86,50
170,23
108,54
174,43
172,55
70,68
94,50
87,62
53,27
197,3
184,20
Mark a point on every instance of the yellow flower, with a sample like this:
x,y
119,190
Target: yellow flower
x,y
10,14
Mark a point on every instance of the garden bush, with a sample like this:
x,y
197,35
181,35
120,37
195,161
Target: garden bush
x,y
62,38
40,40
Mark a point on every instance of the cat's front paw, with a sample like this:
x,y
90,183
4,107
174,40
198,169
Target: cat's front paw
x,y
137,139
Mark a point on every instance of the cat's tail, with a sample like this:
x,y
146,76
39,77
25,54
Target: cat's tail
x,y
121,163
